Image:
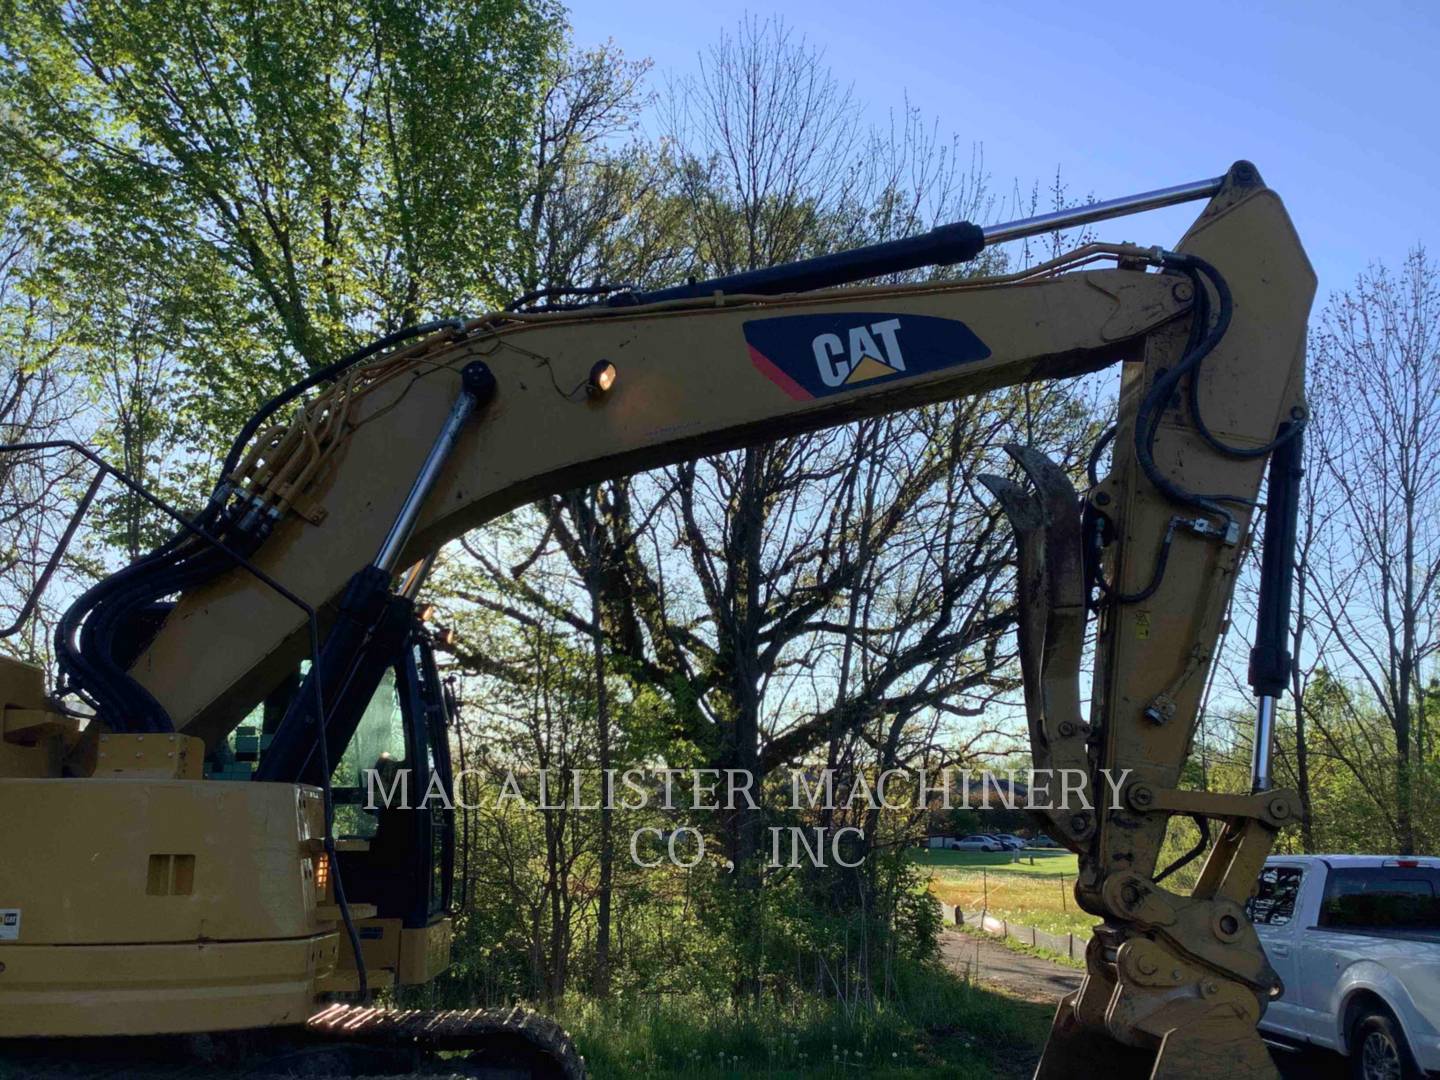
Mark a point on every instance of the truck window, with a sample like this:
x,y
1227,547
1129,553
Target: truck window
x,y
1274,902
1382,898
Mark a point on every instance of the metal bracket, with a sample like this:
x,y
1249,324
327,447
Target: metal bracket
x,y
1274,808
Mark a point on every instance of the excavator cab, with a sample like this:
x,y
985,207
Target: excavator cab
x,y
391,789
395,819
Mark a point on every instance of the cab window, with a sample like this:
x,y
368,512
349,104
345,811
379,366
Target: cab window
x,y
378,744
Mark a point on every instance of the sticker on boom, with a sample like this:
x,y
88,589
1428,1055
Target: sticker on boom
x,y
813,356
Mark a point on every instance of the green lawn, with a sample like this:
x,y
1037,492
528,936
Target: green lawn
x,y
1036,891
1050,862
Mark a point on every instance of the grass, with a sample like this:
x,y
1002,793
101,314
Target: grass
x,y
1039,894
1045,862
938,1026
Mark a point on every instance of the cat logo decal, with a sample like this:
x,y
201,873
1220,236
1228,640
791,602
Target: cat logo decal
x,y
812,356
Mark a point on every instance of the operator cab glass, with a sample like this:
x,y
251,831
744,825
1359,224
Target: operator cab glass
x,y
391,790
372,763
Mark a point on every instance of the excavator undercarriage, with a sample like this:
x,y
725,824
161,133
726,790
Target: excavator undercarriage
x,y
147,893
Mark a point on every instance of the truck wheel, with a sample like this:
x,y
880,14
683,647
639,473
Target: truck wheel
x,y
1378,1050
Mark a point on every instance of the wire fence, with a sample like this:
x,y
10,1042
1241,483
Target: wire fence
x,y
1043,901
1067,945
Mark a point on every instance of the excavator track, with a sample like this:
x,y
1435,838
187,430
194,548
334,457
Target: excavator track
x,y
517,1042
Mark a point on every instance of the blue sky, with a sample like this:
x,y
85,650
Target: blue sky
x,y
1335,102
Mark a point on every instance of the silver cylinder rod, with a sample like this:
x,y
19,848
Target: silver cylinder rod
x,y
1260,778
416,576
944,245
1100,211
477,385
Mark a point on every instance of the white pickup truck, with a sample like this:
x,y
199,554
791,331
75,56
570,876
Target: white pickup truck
x,y
1356,941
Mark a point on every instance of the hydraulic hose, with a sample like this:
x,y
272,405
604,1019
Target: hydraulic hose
x,y
315,378
86,636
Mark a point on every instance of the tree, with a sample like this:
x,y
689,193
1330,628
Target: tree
x,y
539,859
1373,582
787,598
291,176
595,211
595,207
125,347
39,392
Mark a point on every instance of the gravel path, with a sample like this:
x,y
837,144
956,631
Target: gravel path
x,y
1017,974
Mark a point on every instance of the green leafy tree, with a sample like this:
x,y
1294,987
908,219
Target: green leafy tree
x,y
291,175
822,596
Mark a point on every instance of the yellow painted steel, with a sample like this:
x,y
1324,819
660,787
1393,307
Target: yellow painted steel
x,y
33,739
80,865
51,990
424,952
685,384
413,956
145,905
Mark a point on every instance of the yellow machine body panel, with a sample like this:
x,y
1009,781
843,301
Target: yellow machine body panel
x,y
141,899
101,861
415,955
33,739
150,989
134,905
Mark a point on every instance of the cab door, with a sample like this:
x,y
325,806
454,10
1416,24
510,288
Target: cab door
x,y
392,789
435,826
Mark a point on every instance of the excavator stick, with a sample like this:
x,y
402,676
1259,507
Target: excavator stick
x,y
1175,981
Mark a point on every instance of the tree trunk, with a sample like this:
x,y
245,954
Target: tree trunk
x,y
600,984
1404,782
746,616
1298,683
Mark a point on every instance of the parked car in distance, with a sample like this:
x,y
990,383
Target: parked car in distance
x,y
976,843
1356,941
1009,840
1041,841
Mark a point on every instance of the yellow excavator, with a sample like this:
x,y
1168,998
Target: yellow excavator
x,y
186,846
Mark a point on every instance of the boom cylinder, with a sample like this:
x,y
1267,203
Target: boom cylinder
x,y
955,243
370,624
478,383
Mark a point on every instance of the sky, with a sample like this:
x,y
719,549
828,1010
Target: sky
x,y
1335,102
